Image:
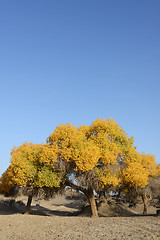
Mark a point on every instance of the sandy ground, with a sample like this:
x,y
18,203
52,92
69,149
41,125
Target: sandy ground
x,y
55,220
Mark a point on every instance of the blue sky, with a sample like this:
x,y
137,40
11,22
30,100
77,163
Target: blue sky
x,y
76,61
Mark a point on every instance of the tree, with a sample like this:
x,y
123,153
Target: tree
x,y
31,169
86,158
6,182
153,188
137,170
90,156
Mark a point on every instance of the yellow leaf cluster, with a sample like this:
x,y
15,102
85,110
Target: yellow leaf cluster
x,y
86,147
86,155
6,181
73,146
23,163
48,155
132,156
63,139
30,163
134,175
107,178
46,177
149,163
158,170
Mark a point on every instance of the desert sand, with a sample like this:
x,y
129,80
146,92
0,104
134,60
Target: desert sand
x,y
60,218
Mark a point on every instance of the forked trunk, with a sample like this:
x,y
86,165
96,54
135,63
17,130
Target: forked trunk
x,y
28,205
145,203
89,194
91,198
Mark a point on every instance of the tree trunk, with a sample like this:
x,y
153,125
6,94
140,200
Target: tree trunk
x,y
91,198
118,196
145,202
28,205
102,194
89,194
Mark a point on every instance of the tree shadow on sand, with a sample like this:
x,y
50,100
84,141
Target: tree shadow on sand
x,y
112,209
43,211
9,207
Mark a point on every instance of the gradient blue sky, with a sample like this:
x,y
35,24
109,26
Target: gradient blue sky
x,y
76,61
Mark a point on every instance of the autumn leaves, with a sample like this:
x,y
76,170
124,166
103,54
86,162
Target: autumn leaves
x,y
71,154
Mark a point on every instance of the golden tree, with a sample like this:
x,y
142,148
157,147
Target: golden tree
x,y
90,156
137,170
32,167
86,158
6,181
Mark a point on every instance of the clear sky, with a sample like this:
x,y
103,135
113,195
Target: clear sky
x,y
75,61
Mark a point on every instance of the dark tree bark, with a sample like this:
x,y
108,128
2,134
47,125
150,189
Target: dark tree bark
x,y
28,205
89,194
145,203
102,194
91,199
118,195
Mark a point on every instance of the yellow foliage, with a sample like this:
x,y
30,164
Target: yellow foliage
x,y
46,177
86,147
112,131
132,156
111,138
98,147
134,175
48,155
6,181
138,168
62,135
149,163
85,129
23,163
63,139
158,170
86,155
30,163
107,178
73,146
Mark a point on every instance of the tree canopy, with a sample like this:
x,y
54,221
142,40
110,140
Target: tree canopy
x,y
86,158
93,155
32,167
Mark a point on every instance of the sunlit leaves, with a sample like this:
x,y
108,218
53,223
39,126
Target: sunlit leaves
x,y
149,163
138,168
47,177
87,147
47,155
86,155
134,175
103,148
33,165
6,180
107,178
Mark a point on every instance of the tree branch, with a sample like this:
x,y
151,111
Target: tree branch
x,y
75,187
